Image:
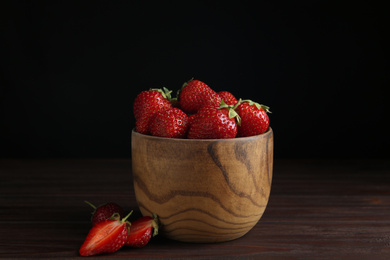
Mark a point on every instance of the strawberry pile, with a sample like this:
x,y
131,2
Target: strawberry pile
x,y
198,112
111,230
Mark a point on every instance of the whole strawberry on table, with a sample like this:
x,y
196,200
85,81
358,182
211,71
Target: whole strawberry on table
x,y
198,112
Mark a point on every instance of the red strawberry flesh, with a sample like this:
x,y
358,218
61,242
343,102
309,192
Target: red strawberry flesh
x,y
141,231
105,237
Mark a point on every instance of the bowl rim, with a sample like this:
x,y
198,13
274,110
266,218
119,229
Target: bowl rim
x,y
247,138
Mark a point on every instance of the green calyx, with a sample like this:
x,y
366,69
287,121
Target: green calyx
x,y
166,93
155,224
232,111
116,216
266,108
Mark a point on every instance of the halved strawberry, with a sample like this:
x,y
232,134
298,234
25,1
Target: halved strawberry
x,y
106,237
141,231
104,212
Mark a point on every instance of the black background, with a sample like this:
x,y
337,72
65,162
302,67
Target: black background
x,y
70,71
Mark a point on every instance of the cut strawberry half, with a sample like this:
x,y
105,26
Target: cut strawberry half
x,y
141,231
106,237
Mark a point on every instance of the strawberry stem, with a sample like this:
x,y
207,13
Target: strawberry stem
x,y
90,204
128,215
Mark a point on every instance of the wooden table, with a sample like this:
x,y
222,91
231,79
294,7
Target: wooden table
x,y
318,209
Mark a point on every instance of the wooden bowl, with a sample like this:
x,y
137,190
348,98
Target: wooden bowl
x,y
203,190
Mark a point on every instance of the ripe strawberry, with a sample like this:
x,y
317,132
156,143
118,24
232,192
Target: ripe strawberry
x,y
254,118
196,94
141,231
105,212
228,97
146,104
171,123
213,122
106,237
190,120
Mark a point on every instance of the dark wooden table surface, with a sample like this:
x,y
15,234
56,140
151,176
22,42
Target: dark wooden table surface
x,y
318,209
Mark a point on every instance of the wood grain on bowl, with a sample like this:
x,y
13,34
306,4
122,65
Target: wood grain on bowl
x,y
203,190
